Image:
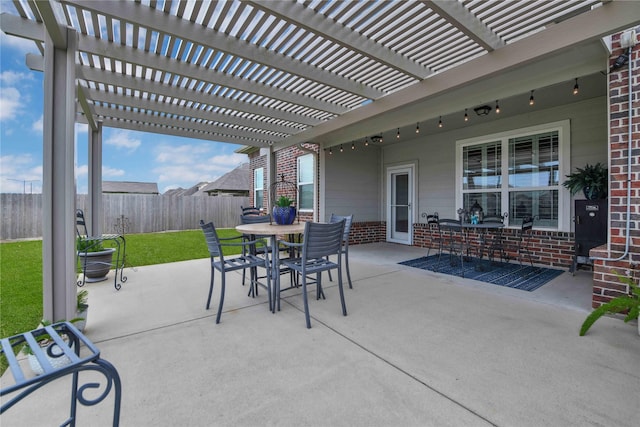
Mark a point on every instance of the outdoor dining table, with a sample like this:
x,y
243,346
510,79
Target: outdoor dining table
x,y
273,231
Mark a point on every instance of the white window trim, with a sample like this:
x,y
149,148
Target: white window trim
x,y
256,188
564,146
298,183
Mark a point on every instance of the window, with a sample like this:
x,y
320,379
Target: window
x,y
258,187
518,173
305,182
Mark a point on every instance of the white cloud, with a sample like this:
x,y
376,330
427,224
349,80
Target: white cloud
x,y
191,164
82,171
123,139
37,126
10,103
19,173
13,78
108,172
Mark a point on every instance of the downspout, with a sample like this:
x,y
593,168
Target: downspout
x,y
316,183
629,150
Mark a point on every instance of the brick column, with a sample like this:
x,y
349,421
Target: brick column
x,y
605,283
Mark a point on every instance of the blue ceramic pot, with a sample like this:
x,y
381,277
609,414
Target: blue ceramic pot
x,y
284,216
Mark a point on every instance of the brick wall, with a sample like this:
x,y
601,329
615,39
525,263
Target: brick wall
x,y
551,248
605,282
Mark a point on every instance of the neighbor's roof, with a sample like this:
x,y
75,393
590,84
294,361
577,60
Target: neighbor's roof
x,y
238,179
259,72
129,187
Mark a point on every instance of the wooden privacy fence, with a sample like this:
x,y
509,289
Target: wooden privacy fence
x,y
22,213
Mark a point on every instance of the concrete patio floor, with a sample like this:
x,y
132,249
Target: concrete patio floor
x,y
416,349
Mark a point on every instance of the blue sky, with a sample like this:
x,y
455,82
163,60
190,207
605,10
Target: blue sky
x,y
169,161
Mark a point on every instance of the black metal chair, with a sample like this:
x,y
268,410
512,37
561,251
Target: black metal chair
x,y
320,241
433,224
524,237
497,243
246,261
345,242
453,240
86,243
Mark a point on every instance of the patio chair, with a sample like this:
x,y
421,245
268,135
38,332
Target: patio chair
x,y
524,237
345,242
253,219
245,261
251,210
320,241
433,224
453,240
496,244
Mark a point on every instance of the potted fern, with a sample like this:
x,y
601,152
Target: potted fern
x,y
592,180
629,303
283,212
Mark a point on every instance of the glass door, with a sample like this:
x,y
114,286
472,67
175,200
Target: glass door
x,y
400,205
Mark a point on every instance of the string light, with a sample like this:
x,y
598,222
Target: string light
x,y
353,146
398,134
466,116
341,149
366,141
531,100
330,151
440,121
576,88
497,107
418,127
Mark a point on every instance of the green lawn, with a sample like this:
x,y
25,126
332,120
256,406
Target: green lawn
x,y
21,271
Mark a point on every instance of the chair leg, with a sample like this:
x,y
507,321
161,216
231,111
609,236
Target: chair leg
x,y
346,262
306,301
341,289
319,290
222,285
210,288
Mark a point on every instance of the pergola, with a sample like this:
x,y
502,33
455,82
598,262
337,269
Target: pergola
x,y
273,74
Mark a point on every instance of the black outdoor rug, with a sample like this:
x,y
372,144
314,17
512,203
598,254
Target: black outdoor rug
x,y
512,275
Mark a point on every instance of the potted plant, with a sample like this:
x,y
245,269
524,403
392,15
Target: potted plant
x,y
592,180
82,308
95,259
283,212
629,303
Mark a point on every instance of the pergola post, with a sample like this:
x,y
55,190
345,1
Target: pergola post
x,y
95,180
58,189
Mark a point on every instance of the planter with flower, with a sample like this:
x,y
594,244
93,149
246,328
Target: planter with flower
x,y
592,180
283,212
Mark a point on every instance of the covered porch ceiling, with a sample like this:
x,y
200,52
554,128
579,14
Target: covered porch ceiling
x,y
277,73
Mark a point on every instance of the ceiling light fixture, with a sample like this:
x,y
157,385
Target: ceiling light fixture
x,y
483,110
497,107
531,100
376,139
576,88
